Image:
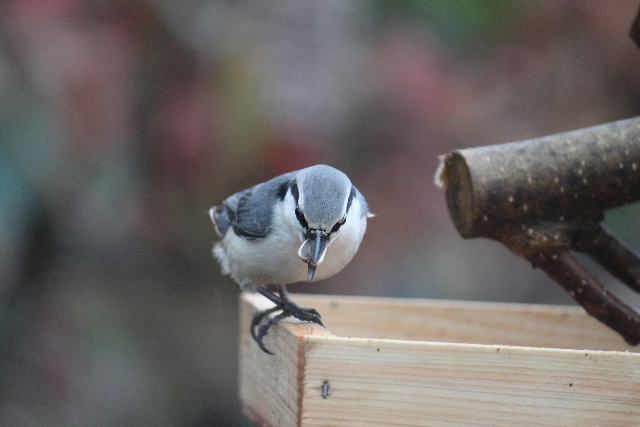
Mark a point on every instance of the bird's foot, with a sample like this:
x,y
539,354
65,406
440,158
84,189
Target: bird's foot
x,y
288,308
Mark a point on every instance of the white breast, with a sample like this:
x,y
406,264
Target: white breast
x,y
274,259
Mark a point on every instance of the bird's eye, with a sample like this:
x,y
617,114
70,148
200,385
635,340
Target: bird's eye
x,y
338,225
301,219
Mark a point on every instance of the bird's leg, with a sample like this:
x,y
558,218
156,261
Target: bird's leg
x,y
284,293
289,309
257,319
264,329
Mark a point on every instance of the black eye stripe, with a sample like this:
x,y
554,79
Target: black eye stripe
x,y
338,225
351,196
281,191
295,193
301,219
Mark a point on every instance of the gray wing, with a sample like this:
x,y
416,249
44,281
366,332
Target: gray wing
x,y
250,212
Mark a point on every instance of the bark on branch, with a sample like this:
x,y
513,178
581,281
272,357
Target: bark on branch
x,y
546,196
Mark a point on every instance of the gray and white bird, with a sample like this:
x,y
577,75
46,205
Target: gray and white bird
x,y
295,227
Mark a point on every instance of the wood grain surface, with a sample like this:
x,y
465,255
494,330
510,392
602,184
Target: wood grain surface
x,y
390,362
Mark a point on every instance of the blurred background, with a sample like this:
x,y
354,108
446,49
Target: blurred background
x,y
123,121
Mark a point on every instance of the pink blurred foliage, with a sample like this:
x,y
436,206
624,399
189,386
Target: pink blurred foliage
x,y
83,68
182,129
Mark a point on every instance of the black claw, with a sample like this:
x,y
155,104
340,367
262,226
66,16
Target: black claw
x,y
257,319
263,348
307,315
319,322
288,308
264,330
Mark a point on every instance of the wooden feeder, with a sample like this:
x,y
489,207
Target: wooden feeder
x,y
393,362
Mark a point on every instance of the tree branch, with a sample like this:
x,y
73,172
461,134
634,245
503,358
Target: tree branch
x,y
572,176
587,290
546,196
613,255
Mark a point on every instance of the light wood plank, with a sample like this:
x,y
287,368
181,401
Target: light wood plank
x,y
379,382
386,382
530,325
271,385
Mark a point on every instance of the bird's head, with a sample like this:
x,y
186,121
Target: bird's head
x,y
322,197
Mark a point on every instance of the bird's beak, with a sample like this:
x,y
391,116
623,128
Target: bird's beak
x,y
315,248
312,272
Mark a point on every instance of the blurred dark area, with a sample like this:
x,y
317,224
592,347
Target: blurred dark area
x,y
122,122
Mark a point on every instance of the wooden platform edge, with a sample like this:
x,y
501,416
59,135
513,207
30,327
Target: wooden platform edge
x,y
372,381
266,379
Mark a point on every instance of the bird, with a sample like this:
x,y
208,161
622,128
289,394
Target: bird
x,y
293,228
